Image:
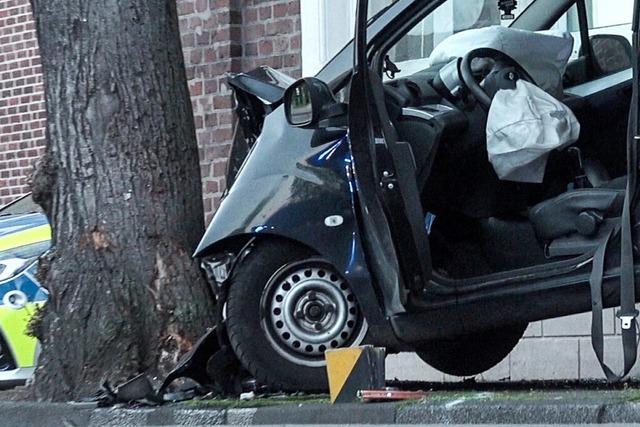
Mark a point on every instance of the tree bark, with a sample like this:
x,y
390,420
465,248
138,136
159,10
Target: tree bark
x,y
120,184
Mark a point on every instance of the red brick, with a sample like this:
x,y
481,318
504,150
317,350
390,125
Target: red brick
x,y
195,88
217,36
24,138
280,10
265,47
211,187
264,13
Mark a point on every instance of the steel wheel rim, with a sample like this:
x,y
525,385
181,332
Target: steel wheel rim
x,y
308,308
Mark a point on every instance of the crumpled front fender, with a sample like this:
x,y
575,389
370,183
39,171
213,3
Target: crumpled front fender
x,y
299,186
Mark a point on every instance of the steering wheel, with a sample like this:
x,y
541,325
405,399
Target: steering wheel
x,y
503,75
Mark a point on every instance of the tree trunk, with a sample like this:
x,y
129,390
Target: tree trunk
x,y
120,184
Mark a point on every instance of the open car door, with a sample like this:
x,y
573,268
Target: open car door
x,y
628,236
391,213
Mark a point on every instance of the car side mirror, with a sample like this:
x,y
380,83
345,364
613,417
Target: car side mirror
x,y
309,103
611,53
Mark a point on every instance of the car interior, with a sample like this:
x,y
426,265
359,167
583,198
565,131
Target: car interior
x,y
480,225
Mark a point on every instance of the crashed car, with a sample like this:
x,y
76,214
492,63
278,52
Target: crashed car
x,y
458,170
24,236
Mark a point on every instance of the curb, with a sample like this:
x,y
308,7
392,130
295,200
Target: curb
x,y
34,414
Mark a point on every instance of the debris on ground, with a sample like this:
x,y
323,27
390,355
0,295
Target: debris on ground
x,y
390,394
248,396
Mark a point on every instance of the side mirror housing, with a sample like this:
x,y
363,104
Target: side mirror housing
x,y
309,103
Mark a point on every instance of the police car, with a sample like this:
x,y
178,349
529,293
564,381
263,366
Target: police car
x,y
24,236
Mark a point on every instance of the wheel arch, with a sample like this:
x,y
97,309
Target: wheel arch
x,y
237,242
240,245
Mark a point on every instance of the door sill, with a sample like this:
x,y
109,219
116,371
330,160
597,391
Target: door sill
x,y
440,285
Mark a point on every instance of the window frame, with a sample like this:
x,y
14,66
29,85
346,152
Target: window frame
x,y
378,50
585,38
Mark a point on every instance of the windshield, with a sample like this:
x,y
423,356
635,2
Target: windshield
x,y
24,205
451,17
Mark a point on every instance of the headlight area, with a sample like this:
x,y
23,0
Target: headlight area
x,y
18,285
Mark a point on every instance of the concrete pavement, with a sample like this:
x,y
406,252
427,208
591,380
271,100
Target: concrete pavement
x,y
455,407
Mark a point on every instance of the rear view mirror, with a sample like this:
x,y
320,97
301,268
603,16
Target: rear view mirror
x,y
298,104
309,103
612,53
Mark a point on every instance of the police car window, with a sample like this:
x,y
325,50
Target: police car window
x,y
21,206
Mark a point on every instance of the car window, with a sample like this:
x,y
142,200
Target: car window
x,y
376,7
412,52
605,18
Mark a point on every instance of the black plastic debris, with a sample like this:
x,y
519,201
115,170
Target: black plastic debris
x,y
137,390
210,363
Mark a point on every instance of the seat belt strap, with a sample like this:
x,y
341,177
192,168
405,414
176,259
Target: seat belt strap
x,y
628,318
595,281
627,313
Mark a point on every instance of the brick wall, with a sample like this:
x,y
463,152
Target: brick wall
x,y
22,112
219,36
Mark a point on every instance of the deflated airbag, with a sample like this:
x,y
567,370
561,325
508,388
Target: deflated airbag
x,y
524,125
543,54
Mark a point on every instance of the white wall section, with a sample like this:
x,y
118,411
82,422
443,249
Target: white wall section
x,y
327,25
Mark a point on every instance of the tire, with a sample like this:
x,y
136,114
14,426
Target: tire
x,y
472,354
269,316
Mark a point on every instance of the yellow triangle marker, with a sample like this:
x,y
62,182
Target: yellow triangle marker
x,y
340,363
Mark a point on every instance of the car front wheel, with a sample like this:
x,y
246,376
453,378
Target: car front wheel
x,y
285,309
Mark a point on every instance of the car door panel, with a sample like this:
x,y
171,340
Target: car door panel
x,y
391,212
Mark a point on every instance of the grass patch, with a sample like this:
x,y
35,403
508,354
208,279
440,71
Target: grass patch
x,y
630,395
436,397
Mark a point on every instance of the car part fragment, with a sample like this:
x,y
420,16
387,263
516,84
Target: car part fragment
x,y
210,363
